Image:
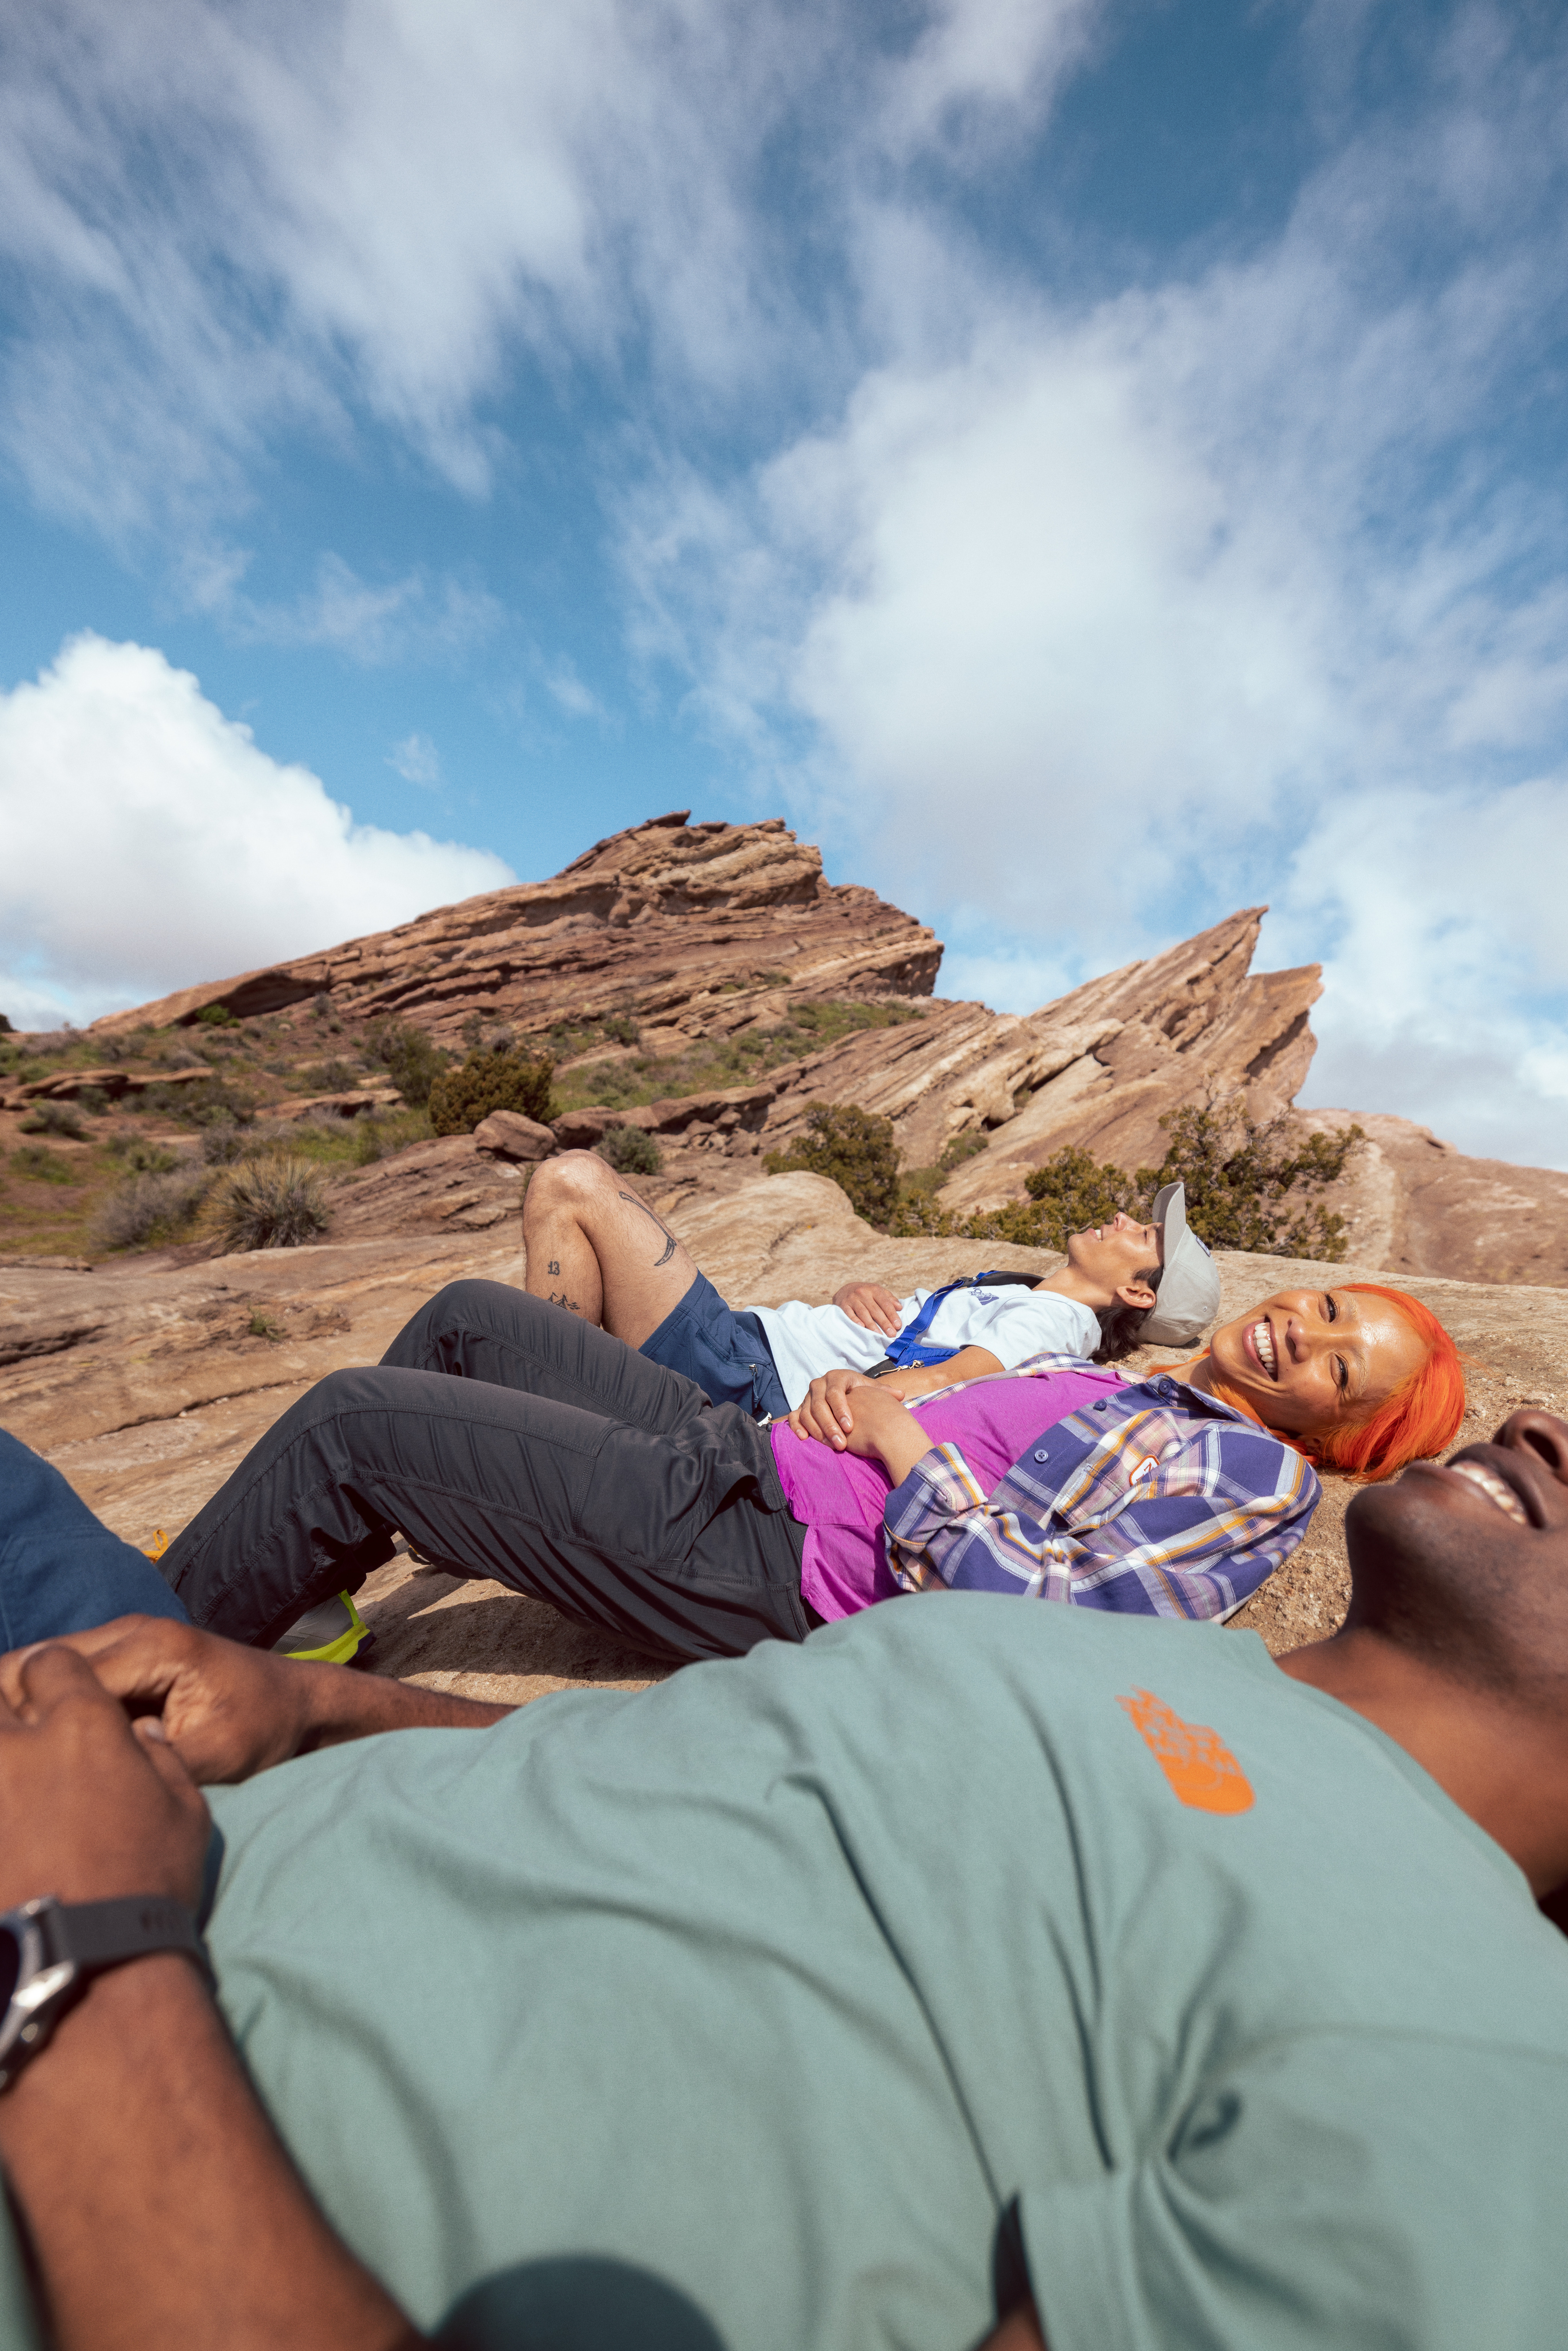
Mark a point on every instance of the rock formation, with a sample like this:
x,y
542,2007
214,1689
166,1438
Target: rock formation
x,y
712,931
692,930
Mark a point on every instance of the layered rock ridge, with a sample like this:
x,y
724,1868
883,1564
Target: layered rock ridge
x,y
1098,1069
670,923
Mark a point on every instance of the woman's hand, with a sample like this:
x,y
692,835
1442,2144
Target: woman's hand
x,y
869,1305
824,1411
875,1425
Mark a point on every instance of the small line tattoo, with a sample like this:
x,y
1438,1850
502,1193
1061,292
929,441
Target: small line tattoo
x,y
671,1244
559,1298
554,1266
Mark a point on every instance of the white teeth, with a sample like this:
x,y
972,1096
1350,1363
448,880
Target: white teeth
x,y
1263,1339
1494,1487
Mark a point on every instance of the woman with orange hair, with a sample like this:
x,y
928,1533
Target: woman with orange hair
x,y
1361,1379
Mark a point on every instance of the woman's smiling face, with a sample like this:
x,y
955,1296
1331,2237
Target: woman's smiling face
x,y
1312,1360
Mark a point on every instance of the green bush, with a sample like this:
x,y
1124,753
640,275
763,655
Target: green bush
x,y
332,1077
211,1103
142,1158
1072,1192
408,1056
216,1016
460,1098
222,1143
151,1208
40,1165
273,1203
855,1149
53,1118
1237,1193
630,1150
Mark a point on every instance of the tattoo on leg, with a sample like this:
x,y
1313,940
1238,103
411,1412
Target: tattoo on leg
x,y
673,1244
559,1298
554,1266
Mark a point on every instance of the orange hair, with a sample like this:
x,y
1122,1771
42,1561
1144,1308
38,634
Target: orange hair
x,y
1418,1419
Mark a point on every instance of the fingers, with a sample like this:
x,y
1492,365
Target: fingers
x,y
47,1675
869,1305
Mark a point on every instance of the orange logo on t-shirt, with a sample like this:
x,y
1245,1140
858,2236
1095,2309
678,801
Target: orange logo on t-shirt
x,y
1195,1760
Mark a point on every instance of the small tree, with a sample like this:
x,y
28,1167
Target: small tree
x,y
855,1149
1237,1192
460,1098
1074,1192
410,1059
630,1150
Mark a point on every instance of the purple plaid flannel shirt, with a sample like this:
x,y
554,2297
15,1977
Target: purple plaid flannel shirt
x,y
1157,1501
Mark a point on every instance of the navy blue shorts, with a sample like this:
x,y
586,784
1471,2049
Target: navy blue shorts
x,y
726,1354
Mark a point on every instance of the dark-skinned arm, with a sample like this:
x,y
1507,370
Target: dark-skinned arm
x,y
159,2205
229,1711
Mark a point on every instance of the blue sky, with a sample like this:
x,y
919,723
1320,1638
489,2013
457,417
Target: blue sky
x,y
1089,464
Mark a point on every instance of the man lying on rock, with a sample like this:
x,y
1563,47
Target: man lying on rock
x,y
965,1976
597,1248
505,1436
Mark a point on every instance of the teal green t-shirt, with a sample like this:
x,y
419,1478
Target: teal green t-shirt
x,y
770,1991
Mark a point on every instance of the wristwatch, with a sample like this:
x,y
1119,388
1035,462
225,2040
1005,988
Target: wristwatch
x,y
50,1950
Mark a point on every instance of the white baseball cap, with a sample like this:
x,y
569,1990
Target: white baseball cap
x,y
1188,1297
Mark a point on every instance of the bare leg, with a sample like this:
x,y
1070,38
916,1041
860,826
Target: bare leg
x,y
595,1247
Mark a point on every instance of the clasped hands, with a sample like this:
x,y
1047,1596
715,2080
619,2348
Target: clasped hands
x,y
104,1736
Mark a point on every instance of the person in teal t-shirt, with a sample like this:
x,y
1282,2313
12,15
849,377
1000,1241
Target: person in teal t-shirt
x,y
964,1975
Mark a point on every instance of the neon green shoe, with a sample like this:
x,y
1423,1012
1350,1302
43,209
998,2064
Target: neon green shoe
x,y
333,1632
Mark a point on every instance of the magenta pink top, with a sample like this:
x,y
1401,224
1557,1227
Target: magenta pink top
x,y
839,1498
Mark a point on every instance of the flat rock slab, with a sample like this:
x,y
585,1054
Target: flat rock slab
x,y
146,1383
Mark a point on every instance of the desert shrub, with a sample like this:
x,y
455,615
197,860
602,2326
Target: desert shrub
x,y
5,1027
410,1059
216,1016
41,1165
273,1203
630,1150
211,1104
262,1326
94,1099
621,1029
460,1098
222,1143
151,1208
1072,1191
855,1149
1239,1191
53,1118
334,1077
140,1158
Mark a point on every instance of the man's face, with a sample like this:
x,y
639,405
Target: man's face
x,y
1112,1255
1312,1360
1502,1507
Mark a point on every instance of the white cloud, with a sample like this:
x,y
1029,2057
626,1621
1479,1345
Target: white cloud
x,y
235,219
417,760
149,843
1107,616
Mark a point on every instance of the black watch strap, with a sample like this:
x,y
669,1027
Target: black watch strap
x,y
97,1934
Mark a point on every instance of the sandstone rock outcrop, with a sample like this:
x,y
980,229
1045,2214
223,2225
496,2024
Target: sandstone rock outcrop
x,y
711,931
691,929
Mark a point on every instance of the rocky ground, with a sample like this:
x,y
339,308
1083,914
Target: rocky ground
x,y
147,1380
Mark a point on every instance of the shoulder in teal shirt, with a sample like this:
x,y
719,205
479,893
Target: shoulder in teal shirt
x,y
782,1984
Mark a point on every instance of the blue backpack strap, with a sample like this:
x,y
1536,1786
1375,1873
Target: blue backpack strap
x,y
907,1351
